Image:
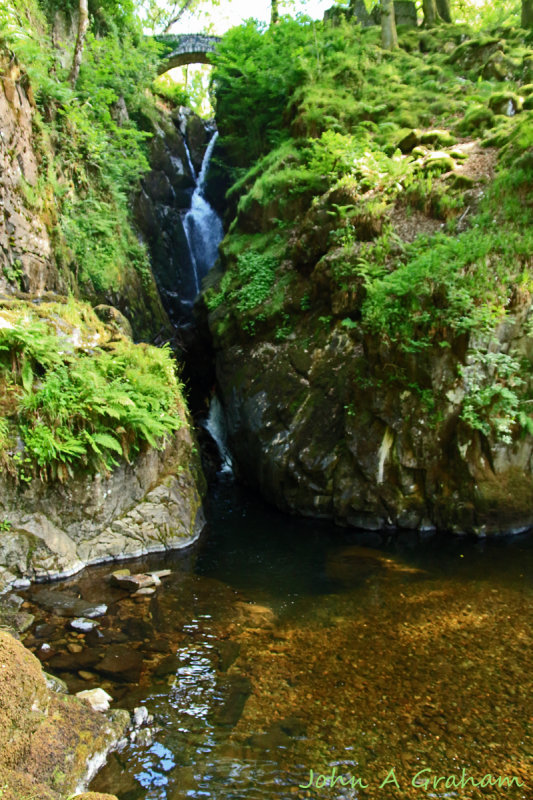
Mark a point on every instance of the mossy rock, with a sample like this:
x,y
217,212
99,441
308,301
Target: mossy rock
x,y
442,138
439,162
475,119
409,140
499,67
506,103
462,182
528,103
94,796
527,89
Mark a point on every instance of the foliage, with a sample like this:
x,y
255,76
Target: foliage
x,y
326,174
253,81
93,138
77,405
171,90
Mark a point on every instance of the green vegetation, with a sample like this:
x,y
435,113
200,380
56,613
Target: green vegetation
x,y
92,138
75,396
346,145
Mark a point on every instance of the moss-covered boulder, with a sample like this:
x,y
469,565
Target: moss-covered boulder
x,y
46,739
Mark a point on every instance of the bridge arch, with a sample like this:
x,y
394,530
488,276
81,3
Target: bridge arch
x,y
189,48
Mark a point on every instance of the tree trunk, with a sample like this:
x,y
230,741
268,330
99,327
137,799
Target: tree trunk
x,y
274,12
389,37
83,24
527,13
443,8
430,13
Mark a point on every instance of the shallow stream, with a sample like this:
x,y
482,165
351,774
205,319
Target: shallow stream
x,y
278,646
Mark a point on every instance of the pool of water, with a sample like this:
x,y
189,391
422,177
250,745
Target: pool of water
x,y
281,655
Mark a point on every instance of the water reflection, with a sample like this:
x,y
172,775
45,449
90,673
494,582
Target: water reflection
x,y
279,646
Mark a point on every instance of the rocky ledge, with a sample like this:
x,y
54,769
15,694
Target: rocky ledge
x,y
54,530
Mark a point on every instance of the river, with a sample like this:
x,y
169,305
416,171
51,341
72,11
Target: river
x,y
279,646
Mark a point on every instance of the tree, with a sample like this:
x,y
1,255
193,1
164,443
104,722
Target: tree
x,y
527,14
389,37
443,8
83,24
430,12
161,15
176,13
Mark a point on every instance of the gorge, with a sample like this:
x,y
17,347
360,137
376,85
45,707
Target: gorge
x,y
322,300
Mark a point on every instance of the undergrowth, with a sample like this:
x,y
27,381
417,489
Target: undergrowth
x,y
73,398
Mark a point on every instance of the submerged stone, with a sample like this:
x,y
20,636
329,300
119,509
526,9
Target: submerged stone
x,y
121,663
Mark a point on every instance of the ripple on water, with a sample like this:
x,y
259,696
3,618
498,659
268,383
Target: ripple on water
x,y
279,647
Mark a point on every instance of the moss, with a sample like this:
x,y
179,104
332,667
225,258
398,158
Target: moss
x,y
442,138
475,119
438,162
506,103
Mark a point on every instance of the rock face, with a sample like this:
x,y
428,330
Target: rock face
x,y
150,506
26,258
46,739
163,202
317,426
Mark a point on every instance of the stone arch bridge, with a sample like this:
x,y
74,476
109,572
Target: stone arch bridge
x,y
189,48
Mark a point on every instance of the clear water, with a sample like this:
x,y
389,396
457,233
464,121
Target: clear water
x,y
280,646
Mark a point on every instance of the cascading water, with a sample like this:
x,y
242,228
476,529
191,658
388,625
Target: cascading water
x,y
202,225
204,232
215,425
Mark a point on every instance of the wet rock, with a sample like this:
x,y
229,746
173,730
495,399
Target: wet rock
x,y
147,591
228,651
168,666
22,621
237,689
132,583
83,625
254,615
98,699
66,605
14,600
74,648
44,631
121,663
55,684
86,676
141,716
161,573
72,662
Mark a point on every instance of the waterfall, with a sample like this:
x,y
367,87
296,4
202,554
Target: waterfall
x,y
202,225
216,427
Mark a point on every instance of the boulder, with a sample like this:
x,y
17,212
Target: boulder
x,y
98,699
